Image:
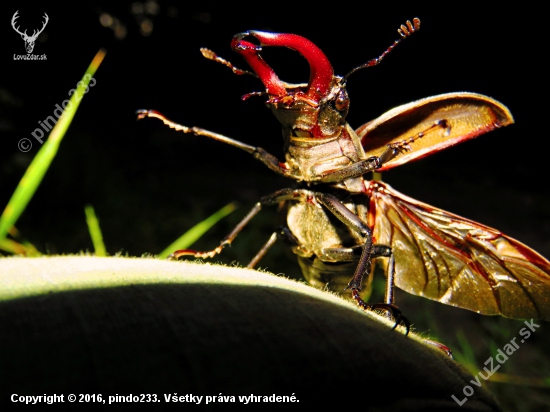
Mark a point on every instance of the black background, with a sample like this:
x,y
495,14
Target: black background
x,y
149,184
144,179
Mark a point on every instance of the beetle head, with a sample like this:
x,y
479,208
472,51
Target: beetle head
x,y
316,109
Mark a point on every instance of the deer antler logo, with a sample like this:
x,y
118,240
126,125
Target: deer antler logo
x,y
29,40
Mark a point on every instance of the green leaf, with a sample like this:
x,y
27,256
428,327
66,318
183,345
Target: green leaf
x,y
41,162
189,237
95,231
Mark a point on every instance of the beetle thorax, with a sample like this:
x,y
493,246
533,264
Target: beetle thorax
x,y
317,138
313,157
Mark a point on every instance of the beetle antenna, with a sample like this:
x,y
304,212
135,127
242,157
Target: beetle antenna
x,y
405,31
210,55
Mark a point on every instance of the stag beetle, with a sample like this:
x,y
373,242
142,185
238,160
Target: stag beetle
x,y
337,222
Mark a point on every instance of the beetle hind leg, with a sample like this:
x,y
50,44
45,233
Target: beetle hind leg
x,y
389,299
368,251
393,310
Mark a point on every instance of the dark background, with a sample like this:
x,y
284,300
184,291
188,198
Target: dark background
x,y
149,184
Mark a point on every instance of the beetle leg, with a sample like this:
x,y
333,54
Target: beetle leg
x,y
350,254
374,163
266,158
225,241
288,237
351,220
338,254
283,234
272,199
403,145
210,55
360,168
389,299
392,309
385,251
261,253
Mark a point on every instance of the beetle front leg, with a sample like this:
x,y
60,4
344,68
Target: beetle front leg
x,y
362,167
374,163
266,158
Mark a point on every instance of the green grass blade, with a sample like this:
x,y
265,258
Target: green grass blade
x,y
41,162
189,237
465,355
17,245
95,231
16,248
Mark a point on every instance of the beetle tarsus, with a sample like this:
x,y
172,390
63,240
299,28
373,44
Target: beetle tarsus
x,y
394,311
202,255
142,114
263,156
210,55
403,146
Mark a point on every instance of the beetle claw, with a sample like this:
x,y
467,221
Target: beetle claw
x,y
394,311
398,316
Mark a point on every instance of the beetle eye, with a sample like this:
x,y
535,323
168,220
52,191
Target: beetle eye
x,y
342,101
